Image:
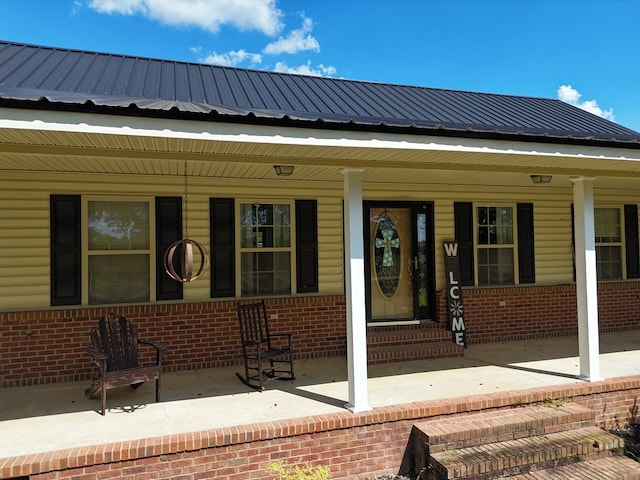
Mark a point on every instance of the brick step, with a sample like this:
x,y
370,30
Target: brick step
x,y
500,459
413,351
427,333
607,468
490,426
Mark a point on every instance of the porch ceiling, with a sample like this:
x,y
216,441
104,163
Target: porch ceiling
x,y
317,155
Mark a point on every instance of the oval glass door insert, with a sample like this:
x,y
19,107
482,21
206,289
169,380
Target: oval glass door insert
x,y
387,255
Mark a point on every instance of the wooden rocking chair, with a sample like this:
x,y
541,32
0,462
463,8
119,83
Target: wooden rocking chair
x,y
114,349
266,355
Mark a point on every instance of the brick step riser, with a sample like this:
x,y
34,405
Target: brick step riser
x,y
381,355
609,468
474,438
495,460
490,473
459,431
389,340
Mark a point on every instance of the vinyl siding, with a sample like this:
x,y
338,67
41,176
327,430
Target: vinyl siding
x,y
24,221
24,224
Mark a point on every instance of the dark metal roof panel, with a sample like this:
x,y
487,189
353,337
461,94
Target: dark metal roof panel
x,y
74,77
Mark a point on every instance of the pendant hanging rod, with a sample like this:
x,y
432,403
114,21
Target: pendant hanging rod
x,y
182,251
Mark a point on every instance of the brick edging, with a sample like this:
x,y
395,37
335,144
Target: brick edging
x,y
222,437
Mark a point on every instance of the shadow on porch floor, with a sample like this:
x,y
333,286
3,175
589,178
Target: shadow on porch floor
x,y
50,417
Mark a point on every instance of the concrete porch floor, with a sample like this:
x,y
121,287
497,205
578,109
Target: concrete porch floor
x,y
52,417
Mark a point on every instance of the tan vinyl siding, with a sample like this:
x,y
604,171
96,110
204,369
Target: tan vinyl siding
x,y
330,254
24,243
24,220
24,223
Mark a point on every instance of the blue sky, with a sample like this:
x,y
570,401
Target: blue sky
x,y
585,52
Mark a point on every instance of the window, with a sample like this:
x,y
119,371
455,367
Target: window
x,y
105,250
608,230
119,251
495,245
265,249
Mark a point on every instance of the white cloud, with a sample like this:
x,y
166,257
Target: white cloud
x,y
298,40
306,69
261,15
229,59
570,95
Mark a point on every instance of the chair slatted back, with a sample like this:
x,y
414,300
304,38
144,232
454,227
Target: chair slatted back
x,y
254,326
117,338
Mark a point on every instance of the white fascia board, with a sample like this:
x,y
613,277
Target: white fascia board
x,y
101,124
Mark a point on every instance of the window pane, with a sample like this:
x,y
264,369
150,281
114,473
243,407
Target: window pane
x,y
483,225
505,267
248,235
495,266
607,225
118,225
265,273
495,225
118,278
282,224
282,237
609,262
265,225
505,224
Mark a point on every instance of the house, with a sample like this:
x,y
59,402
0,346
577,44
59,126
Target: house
x,y
337,200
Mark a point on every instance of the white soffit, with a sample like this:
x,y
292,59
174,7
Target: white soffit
x,y
80,129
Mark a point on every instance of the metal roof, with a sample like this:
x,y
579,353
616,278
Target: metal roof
x,y
33,76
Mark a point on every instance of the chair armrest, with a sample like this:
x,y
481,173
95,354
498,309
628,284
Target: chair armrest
x,y
158,346
281,335
250,343
96,355
289,337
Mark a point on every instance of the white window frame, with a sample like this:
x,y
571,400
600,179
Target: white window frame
x,y
239,250
512,246
620,244
86,253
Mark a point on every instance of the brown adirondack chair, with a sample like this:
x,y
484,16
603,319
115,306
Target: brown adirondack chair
x,y
266,355
114,349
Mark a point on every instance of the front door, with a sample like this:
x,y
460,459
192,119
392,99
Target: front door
x,y
399,261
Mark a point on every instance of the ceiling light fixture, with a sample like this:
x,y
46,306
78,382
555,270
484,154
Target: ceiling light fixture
x,y
541,178
283,170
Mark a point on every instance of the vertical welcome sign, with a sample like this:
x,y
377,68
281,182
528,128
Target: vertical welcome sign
x,y
455,306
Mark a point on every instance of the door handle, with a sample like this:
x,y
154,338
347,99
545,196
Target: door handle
x,y
413,263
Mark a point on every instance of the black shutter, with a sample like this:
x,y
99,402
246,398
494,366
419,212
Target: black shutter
x,y
463,221
223,266
66,251
168,230
306,246
631,241
526,256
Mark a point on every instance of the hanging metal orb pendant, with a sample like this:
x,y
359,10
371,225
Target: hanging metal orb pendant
x,y
182,254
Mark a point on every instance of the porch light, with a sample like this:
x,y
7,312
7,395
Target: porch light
x,y
283,170
541,178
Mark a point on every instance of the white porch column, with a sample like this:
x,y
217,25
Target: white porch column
x,y
586,279
354,285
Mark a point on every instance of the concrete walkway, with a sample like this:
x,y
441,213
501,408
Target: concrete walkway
x,y
51,417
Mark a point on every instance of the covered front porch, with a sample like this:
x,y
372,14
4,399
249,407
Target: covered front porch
x,y
51,427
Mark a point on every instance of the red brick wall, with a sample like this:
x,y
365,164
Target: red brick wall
x,y
353,446
49,346
529,312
